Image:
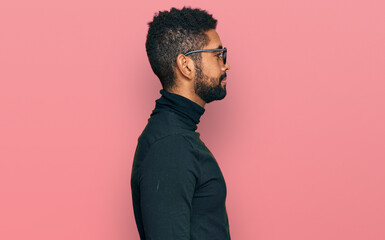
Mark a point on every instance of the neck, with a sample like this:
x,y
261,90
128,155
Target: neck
x,y
189,95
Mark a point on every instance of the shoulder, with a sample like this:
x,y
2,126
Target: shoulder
x,y
171,155
172,149
175,143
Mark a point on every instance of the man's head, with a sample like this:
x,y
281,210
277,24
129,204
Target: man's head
x,y
173,33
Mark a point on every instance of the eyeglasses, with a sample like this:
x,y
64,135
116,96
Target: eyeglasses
x,y
223,50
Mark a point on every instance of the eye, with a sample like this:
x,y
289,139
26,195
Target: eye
x,y
219,55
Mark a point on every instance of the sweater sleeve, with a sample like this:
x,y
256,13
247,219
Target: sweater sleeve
x,y
167,182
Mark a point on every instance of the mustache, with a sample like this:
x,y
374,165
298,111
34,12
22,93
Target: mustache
x,y
222,77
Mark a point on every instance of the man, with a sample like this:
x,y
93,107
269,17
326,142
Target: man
x,y
178,190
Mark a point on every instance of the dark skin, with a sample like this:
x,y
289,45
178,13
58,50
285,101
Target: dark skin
x,y
212,67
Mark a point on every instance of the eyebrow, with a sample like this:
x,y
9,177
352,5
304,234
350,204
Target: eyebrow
x,y
219,47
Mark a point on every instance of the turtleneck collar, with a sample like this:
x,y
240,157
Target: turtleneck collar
x,y
180,105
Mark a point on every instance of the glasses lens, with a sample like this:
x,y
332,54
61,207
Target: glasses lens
x,y
224,55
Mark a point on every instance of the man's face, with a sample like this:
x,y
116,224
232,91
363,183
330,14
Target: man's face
x,y
210,77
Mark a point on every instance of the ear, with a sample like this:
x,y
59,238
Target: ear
x,y
185,65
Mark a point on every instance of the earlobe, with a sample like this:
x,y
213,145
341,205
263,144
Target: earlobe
x,y
185,65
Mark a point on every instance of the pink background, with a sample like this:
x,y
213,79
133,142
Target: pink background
x,y
299,138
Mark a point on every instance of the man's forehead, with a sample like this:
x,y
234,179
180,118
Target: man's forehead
x,y
214,40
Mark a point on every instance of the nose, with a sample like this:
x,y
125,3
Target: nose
x,y
227,66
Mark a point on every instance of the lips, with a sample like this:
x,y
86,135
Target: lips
x,y
223,77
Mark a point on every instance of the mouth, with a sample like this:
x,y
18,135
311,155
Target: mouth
x,y
223,77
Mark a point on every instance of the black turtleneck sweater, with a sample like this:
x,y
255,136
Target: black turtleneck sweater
x,y
178,190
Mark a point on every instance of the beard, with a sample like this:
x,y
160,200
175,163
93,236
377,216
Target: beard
x,y
209,89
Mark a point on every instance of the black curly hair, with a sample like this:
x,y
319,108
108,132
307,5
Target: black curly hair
x,y
172,33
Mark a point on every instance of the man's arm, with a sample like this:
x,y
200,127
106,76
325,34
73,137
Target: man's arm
x,y
167,182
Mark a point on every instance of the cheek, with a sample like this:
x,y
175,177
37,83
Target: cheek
x,y
215,70
212,67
